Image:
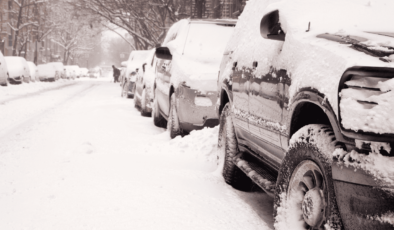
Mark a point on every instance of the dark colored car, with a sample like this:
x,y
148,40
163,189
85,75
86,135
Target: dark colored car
x,y
303,124
186,75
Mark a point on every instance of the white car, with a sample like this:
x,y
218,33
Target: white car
x,y
76,70
60,72
134,66
3,71
84,72
18,69
46,72
33,71
70,73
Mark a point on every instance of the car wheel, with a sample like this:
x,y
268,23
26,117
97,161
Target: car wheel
x,y
228,143
144,101
173,121
136,101
158,119
124,91
304,193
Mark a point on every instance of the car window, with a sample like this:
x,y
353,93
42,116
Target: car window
x,y
207,40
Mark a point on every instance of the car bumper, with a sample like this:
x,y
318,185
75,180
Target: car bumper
x,y
15,80
364,207
196,110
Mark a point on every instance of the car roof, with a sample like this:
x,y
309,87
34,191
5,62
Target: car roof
x,y
214,21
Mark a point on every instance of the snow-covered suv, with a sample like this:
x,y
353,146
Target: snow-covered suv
x,y
306,106
186,75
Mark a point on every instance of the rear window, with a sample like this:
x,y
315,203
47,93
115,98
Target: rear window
x,y
207,40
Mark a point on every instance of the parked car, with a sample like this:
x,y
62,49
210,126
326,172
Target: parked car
x,y
3,71
77,71
304,111
94,73
143,97
186,75
70,72
18,69
46,72
134,65
84,72
33,71
59,67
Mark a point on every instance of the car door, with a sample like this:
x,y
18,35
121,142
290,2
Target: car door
x,y
265,106
163,77
240,89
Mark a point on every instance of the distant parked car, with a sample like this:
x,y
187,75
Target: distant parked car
x,y
94,73
70,73
134,64
33,71
186,75
18,69
143,97
46,72
84,72
3,71
76,70
59,67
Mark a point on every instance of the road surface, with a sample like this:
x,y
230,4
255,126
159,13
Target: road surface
x,y
79,156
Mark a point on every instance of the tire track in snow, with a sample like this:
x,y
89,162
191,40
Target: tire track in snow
x,y
19,125
35,93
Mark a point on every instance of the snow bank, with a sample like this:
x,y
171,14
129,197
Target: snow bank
x,y
200,145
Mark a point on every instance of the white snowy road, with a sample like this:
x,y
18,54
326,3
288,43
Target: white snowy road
x,y
82,157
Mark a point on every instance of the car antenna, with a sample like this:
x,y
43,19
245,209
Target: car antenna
x,y
309,27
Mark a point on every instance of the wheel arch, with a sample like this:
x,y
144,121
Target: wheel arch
x,y
310,106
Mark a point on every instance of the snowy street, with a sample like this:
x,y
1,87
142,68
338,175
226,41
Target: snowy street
x,y
79,156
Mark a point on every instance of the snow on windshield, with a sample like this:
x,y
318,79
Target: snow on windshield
x,y
206,42
199,63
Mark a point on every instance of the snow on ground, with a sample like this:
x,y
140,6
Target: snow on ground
x,y
83,158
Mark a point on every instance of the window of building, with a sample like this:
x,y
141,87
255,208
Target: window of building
x,y
10,5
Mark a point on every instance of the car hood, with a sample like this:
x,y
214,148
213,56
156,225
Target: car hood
x,y
366,44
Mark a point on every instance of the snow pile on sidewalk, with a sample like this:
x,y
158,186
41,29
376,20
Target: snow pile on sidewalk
x,y
200,145
12,91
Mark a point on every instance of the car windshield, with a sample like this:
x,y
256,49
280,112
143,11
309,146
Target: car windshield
x,y
207,40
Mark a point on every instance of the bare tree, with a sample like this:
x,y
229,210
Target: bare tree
x,y
146,21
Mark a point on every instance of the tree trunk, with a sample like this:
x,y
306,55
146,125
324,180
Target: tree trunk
x,y
17,27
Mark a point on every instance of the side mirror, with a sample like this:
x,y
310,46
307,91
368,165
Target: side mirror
x,y
143,67
163,53
270,27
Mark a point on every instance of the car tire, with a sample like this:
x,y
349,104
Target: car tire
x,y
173,120
305,174
136,102
144,99
124,91
227,140
158,119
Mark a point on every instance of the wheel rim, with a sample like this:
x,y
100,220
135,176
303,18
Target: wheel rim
x,y
308,185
